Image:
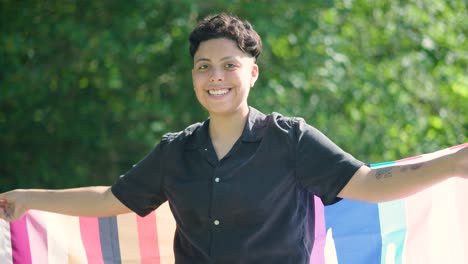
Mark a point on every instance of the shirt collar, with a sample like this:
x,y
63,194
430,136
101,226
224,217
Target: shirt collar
x,y
254,127
253,131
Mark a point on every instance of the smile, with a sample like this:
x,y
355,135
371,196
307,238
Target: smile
x,y
219,92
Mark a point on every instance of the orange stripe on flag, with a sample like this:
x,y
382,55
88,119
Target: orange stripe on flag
x,y
127,228
166,228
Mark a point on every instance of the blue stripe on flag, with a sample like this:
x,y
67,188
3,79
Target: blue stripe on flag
x,y
382,164
357,237
393,226
109,236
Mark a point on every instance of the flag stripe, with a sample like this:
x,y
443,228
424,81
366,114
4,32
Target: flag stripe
x,y
317,256
71,228
38,237
148,239
5,243
127,227
109,237
56,238
461,199
89,230
417,210
428,227
368,237
443,227
393,228
20,241
165,225
458,146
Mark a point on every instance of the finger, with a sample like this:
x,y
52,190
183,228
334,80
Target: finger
x,y
6,212
3,214
3,203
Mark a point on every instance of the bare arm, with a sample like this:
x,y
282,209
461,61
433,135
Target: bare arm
x,y
396,182
86,201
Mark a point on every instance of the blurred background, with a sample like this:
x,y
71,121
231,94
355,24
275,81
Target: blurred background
x,y
87,88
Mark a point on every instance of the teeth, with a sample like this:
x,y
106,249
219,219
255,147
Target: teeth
x,y
218,92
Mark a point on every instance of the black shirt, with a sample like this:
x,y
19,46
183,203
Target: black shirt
x,y
252,206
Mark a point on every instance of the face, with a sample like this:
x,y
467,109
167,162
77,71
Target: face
x,y
222,77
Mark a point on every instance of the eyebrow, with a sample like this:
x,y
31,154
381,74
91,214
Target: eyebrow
x,y
222,59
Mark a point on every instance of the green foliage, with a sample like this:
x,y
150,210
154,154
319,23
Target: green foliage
x,y
88,87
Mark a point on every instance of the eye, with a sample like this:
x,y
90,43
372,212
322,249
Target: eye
x,y
202,67
230,66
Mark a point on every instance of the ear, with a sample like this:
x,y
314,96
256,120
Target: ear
x,y
254,74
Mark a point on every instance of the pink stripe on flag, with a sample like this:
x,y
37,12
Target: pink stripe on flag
x,y
418,209
89,229
148,239
409,159
20,241
459,146
37,237
317,255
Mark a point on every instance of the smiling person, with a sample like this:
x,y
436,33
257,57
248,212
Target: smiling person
x,y
239,183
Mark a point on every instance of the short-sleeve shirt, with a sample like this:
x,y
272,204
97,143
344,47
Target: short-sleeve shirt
x,y
252,206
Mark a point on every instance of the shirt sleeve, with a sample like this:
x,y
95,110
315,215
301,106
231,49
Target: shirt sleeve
x,y
322,167
141,188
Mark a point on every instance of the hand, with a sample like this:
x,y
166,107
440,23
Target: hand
x,y
11,206
461,162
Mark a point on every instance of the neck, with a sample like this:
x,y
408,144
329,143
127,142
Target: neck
x,y
227,127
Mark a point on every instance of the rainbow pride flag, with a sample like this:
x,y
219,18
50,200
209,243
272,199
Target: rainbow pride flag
x,y
429,227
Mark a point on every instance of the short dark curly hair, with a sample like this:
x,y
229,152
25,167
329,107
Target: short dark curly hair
x,y
230,27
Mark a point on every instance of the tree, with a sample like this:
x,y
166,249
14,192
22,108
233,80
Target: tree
x,y
87,88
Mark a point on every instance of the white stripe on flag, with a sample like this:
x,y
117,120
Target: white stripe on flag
x,y
5,243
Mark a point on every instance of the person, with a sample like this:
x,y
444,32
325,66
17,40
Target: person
x,y
239,183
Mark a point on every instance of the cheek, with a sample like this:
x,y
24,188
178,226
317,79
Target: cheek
x,y
196,81
198,86
245,78
199,95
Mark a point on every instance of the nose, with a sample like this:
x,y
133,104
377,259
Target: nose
x,y
217,75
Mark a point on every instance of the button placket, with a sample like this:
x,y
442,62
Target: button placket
x,y
216,211
215,214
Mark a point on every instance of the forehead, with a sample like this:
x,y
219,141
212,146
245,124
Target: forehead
x,y
214,49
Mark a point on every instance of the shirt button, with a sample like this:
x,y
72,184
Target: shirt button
x,y
216,222
216,179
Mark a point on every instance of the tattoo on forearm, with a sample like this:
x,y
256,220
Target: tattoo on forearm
x,y
383,173
386,172
411,167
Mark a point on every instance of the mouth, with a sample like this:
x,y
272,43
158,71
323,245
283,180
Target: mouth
x,y
219,92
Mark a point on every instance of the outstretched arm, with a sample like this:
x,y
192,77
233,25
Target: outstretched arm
x,y
399,181
87,201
